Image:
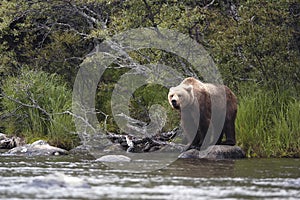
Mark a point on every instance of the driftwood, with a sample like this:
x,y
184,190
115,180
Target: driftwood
x,y
134,144
10,142
37,148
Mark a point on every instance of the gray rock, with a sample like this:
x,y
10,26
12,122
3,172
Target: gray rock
x,y
38,148
114,158
215,152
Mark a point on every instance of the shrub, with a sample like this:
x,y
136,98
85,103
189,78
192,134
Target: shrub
x,y
33,103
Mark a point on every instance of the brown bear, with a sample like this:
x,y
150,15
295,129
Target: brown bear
x,y
205,108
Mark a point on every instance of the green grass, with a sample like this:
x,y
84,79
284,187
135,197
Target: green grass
x,y
35,102
268,123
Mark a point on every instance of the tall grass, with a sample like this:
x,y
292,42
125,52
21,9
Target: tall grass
x,y
34,103
268,123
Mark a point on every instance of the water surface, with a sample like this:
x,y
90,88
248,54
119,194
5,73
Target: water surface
x,y
70,177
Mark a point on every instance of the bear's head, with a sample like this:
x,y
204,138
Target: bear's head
x,y
181,96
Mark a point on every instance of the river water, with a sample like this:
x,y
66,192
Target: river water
x,y
70,177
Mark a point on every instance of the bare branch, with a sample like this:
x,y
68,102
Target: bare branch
x,y
91,20
78,117
34,105
49,115
211,3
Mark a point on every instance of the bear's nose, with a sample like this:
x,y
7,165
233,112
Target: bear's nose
x,y
174,103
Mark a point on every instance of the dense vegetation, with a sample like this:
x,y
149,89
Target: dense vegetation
x,y
255,44
37,102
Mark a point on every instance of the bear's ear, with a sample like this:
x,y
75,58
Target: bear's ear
x,y
171,89
189,88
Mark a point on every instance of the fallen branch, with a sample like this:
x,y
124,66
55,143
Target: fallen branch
x,y
156,142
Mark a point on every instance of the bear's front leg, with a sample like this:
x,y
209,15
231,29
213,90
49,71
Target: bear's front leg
x,y
190,125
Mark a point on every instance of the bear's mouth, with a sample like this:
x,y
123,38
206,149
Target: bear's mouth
x,y
177,107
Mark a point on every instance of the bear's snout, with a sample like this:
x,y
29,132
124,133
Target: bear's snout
x,y
175,104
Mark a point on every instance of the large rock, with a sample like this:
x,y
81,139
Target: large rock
x,y
215,152
38,148
114,158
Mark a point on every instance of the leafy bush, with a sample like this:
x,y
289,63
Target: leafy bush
x,y
34,102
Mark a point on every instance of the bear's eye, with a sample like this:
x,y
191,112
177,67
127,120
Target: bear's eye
x,y
179,95
171,95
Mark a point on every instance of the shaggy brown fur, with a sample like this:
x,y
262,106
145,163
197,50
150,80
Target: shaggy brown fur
x,y
194,100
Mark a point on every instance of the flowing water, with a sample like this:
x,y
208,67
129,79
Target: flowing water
x,y
69,177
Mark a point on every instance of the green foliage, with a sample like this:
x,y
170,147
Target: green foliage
x,y
103,97
37,29
239,34
34,102
250,50
267,123
142,99
149,95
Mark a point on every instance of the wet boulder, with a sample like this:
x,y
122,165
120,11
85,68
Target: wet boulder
x,y
114,158
215,152
38,148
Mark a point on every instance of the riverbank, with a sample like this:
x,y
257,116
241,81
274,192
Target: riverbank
x,y
267,124
123,148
